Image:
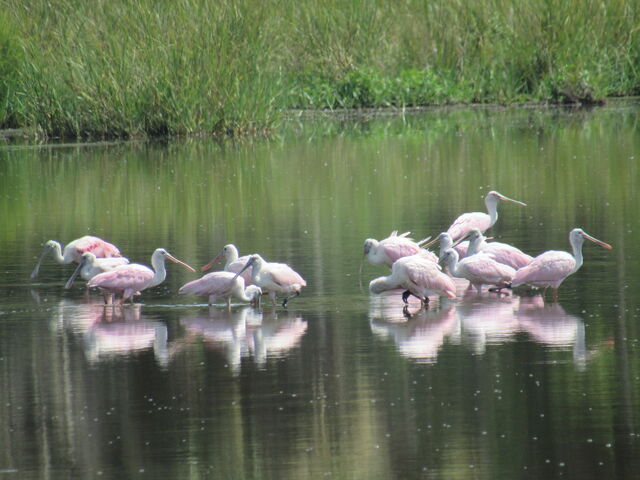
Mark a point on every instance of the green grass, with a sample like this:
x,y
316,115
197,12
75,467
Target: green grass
x,y
79,69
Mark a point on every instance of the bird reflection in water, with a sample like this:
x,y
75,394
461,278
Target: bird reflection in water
x,y
247,332
418,333
552,326
109,333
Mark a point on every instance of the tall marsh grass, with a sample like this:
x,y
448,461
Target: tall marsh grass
x,y
129,68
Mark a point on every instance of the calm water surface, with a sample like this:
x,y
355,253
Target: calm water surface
x,y
341,384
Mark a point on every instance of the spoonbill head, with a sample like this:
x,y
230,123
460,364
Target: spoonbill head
x,y
390,249
233,262
551,268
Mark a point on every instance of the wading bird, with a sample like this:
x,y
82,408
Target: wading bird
x,y
480,269
395,246
500,252
274,278
482,221
73,251
222,285
90,266
549,269
130,280
419,277
233,262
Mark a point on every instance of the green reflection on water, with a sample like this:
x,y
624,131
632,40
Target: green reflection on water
x,y
310,198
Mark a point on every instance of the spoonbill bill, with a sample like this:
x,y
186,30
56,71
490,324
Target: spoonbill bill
x,y
274,278
233,262
445,241
130,280
500,252
395,246
73,251
549,269
419,276
482,221
480,269
90,266
223,285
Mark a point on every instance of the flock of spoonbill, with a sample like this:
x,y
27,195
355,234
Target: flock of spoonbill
x,y
102,266
466,254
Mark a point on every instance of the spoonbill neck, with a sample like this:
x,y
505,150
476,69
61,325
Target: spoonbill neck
x,y
576,245
492,208
452,263
159,271
232,255
475,245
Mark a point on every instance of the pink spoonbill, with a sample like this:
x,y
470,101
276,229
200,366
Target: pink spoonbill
x,y
480,220
395,246
223,285
500,252
129,280
480,269
274,278
233,262
549,269
90,266
419,277
73,251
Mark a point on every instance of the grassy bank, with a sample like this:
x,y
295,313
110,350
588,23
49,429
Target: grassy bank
x,y
143,68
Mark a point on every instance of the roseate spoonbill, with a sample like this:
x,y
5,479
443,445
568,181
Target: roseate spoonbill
x,y
233,263
549,269
90,266
482,221
500,252
480,269
223,285
393,247
445,241
419,277
73,251
274,277
129,280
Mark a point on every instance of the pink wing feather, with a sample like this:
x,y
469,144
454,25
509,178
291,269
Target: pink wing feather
x,y
427,275
134,276
284,275
468,221
547,268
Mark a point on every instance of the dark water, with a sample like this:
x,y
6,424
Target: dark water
x,y
341,384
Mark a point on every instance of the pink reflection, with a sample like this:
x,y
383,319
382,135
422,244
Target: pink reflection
x,y
418,335
109,332
247,332
487,320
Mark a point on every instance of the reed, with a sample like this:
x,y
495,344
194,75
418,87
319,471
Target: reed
x,y
146,68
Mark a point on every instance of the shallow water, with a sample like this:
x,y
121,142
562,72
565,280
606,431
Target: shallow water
x,y
341,383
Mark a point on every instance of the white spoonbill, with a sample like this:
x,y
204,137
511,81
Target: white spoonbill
x,y
549,269
233,262
274,278
90,266
393,247
500,252
222,285
482,221
419,277
131,279
480,269
73,251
